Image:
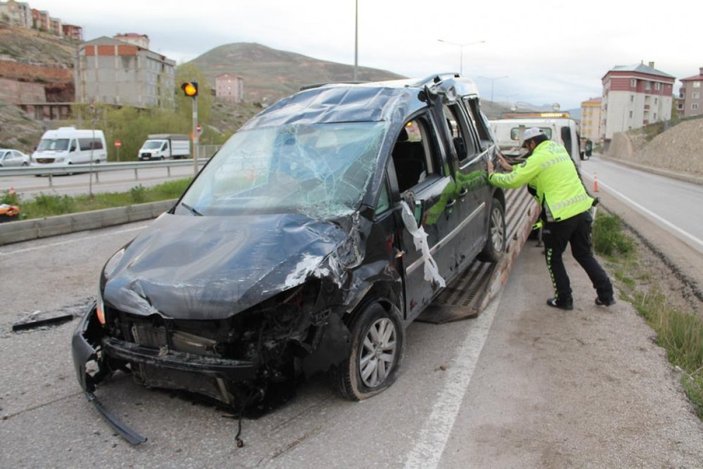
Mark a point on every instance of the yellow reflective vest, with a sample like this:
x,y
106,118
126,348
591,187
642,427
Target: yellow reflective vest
x,y
553,176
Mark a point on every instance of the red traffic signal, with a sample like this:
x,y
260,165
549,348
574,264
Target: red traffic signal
x,y
190,88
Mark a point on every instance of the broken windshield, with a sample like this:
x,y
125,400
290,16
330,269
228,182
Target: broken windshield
x,y
320,170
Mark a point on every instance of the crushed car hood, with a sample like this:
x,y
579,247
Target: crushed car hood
x,y
192,267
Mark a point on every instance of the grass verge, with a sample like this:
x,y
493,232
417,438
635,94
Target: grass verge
x,y
680,333
50,205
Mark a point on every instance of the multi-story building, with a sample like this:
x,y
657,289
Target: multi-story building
x,y
111,71
229,87
590,119
40,20
691,93
73,32
634,96
16,13
55,27
141,40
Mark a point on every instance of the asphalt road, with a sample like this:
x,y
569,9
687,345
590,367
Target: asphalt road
x,y
666,213
674,205
523,385
115,181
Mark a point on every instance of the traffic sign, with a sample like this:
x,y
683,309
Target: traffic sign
x,y
118,143
198,129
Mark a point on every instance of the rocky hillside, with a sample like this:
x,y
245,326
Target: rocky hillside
x,y
679,148
17,129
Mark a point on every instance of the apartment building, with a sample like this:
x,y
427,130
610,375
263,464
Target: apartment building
x,y
691,95
634,96
141,40
111,71
229,87
590,119
16,13
73,32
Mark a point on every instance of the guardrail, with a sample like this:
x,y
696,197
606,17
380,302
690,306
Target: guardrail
x,y
96,169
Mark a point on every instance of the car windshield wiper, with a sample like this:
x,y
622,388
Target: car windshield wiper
x,y
192,210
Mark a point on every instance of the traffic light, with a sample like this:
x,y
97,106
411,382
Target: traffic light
x,y
190,88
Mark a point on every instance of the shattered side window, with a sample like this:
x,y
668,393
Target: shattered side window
x,y
320,170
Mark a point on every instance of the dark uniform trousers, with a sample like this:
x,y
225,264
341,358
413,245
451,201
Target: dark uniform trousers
x,y
577,232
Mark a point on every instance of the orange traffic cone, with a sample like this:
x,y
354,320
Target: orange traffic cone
x,y
595,183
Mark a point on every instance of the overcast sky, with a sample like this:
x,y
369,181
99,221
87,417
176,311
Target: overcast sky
x,y
539,52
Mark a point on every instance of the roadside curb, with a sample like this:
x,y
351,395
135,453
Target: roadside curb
x,y
25,230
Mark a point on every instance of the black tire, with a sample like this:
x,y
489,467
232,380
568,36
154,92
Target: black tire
x,y
360,375
495,239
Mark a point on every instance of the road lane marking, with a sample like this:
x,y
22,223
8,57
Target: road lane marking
x,y
429,447
62,243
697,243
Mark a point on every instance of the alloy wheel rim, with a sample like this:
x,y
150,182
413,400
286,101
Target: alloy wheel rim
x,y
497,230
378,350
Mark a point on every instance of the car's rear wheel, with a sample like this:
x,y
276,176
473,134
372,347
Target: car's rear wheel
x,y
376,352
495,242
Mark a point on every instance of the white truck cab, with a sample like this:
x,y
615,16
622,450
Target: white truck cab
x,y
68,145
557,126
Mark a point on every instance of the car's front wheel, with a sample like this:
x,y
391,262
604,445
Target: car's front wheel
x,y
376,352
495,242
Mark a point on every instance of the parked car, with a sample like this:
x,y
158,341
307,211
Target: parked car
x,y
10,158
295,250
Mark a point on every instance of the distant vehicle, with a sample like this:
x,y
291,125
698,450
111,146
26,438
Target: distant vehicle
x,y
508,132
160,146
9,158
68,145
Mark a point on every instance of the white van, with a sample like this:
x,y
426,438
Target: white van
x,y
68,145
508,134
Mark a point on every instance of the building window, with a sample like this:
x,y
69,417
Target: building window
x,y
655,100
647,85
630,114
696,95
632,98
657,86
696,84
633,83
694,106
655,116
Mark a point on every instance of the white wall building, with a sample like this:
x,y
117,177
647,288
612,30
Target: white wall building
x,y
634,96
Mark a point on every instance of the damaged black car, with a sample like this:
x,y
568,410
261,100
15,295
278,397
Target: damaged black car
x,y
317,233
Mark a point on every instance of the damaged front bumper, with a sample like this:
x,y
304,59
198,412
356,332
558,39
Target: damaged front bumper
x,y
95,356
93,352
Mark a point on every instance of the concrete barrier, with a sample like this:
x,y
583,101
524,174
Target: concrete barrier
x,y
25,230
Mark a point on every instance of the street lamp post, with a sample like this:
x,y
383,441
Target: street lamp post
x,y
461,51
493,79
356,37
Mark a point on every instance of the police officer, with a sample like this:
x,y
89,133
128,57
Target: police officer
x,y
551,176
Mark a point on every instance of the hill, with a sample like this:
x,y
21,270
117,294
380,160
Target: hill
x,y
672,147
270,74
35,47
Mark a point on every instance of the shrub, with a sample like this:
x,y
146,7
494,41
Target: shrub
x,y
608,237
